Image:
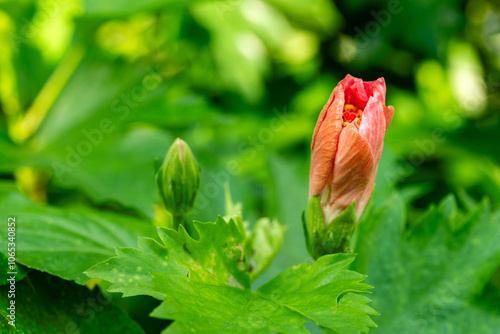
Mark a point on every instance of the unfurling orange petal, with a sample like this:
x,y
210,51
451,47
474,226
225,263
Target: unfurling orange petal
x,y
325,142
353,168
373,126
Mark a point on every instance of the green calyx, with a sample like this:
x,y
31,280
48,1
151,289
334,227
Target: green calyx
x,y
178,179
331,238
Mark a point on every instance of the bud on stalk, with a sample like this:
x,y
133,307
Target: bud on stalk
x,y
346,148
178,180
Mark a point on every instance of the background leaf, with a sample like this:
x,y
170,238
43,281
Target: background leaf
x,y
430,275
47,304
66,242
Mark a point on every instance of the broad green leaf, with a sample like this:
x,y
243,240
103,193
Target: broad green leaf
x,y
66,241
429,277
216,257
322,292
47,304
207,308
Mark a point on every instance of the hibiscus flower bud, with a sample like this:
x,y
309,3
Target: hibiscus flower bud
x,y
178,179
346,148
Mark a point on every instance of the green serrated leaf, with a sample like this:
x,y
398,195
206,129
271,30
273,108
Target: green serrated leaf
x,y
66,242
323,292
219,250
207,308
216,258
205,285
428,278
47,304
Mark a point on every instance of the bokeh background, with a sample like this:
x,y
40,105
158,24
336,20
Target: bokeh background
x,y
92,91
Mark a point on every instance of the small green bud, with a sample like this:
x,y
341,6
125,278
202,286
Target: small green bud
x,y
178,179
264,244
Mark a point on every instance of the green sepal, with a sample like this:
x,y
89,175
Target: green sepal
x,y
315,227
335,237
339,231
304,227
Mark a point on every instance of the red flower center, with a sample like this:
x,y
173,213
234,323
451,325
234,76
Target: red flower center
x,y
349,116
351,113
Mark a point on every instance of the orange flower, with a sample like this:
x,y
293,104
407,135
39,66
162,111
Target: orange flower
x,y
347,145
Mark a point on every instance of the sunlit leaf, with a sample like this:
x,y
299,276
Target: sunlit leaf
x,y
66,241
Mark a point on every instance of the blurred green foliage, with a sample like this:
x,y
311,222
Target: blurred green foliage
x,y
92,91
